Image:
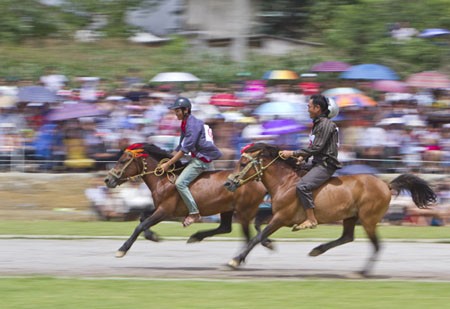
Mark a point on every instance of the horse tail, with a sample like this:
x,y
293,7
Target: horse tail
x,y
421,192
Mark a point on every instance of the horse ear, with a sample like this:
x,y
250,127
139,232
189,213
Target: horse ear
x,y
244,149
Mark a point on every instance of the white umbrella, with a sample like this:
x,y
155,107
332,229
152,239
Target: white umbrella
x,y
173,77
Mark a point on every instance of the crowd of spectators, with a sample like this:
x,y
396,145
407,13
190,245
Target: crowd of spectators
x,y
400,134
394,136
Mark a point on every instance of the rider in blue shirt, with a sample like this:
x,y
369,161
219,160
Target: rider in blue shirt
x,y
195,139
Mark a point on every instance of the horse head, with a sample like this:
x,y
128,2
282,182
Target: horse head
x,y
249,167
132,163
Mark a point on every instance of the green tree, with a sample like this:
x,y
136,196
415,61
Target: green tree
x,y
115,12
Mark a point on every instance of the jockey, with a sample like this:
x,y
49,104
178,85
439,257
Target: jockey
x,y
194,139
323,148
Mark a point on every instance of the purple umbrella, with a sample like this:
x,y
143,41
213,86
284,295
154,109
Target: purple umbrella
x,y
281,126
330,66
77,110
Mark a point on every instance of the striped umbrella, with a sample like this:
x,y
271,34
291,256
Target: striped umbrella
x,y
428,79
330,66
354,100
280,75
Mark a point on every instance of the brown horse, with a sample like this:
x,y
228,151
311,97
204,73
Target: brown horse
x,y
349,198
142,160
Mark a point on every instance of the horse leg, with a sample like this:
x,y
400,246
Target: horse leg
x,y
157,217
348,235
148,233
372,234
273,226
223,228
268,243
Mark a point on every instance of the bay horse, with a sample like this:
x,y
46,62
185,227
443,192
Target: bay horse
x,y
143,160
350,198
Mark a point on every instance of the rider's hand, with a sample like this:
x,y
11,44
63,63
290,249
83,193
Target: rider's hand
x,y
286,154
165,166
300,160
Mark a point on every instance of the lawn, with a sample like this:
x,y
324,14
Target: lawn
x,y
68,293
175,229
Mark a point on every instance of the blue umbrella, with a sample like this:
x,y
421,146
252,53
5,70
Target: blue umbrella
x,y
433,32
36,94
369,71
283,110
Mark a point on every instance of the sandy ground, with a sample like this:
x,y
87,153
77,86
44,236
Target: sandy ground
x,y
206,260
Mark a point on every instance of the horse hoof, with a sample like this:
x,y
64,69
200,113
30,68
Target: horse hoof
x,y
315,252
120,254
233,264
192,240
153,238
356,275
269,246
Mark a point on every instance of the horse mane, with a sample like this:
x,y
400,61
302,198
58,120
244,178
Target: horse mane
x,y
153,151
271,152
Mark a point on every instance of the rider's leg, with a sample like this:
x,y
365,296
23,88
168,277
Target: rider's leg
x,y
191,171
312,180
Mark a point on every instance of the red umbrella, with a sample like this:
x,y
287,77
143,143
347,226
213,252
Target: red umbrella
x,y
330,66
390,86
226,99
428,79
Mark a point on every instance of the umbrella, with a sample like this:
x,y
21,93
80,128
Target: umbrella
x,y
281,126
7,101
340,90
356,169
225,99
173,77
428,79
282,109
356,99
433,32
330,66
369,71
77,110
37,94
280,75
390,86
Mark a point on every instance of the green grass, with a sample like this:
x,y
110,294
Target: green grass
x,y
174,229
42,292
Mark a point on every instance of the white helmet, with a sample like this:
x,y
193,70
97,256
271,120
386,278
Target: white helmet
x,y
332,107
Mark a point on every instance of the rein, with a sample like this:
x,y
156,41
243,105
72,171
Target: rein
x,y
257,164
158,171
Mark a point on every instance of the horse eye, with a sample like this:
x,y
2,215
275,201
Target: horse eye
x,y
243,165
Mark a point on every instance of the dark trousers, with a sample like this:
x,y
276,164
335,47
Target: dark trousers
x,y
312,180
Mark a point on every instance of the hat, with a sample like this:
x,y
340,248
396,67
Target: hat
x,y
181,102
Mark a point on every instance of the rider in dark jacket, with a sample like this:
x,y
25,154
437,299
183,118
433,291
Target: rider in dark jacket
x,y
323,149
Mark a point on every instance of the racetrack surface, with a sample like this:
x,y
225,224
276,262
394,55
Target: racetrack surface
x,y
206,260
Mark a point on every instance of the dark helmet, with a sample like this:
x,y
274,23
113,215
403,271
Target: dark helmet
x,y
181,102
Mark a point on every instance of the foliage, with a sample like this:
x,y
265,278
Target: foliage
x,y
27,19
114,11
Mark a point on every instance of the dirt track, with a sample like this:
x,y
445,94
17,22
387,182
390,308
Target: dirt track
x,y
175,259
